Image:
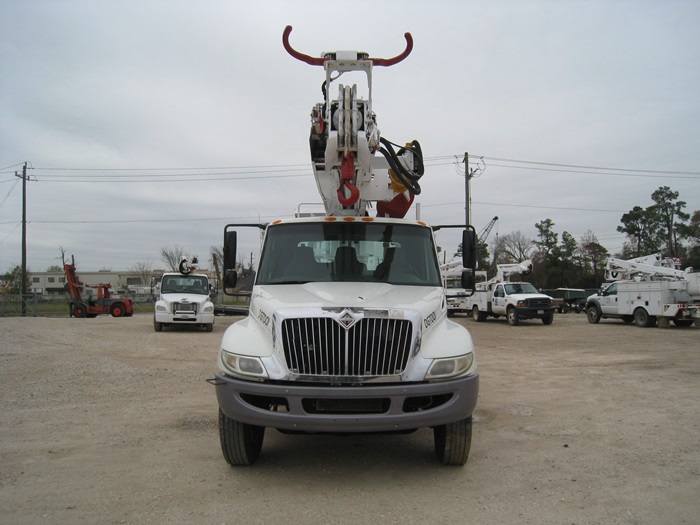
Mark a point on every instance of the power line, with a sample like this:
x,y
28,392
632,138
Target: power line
x,y
662,172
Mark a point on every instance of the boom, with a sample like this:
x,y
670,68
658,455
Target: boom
x,y
345,138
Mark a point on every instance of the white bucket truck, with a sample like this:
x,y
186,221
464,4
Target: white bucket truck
x,y
347,330
654,291
184,298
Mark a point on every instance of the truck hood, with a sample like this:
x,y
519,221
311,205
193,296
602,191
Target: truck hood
x,y
184,298
523,296
267,299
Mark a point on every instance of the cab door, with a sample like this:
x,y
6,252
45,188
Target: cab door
x,y
608,300
498,300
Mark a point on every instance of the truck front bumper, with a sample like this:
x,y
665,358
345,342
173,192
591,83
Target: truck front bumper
x,y
534,313
376,408
168,318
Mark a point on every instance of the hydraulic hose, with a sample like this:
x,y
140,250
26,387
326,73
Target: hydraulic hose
x,y
408,179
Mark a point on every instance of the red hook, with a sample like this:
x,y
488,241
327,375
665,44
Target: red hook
x,y
347,173
316,61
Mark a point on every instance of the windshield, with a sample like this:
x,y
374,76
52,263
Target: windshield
x,y
520,288
184,284
349,252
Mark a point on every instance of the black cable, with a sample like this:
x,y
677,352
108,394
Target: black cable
x,y
407,178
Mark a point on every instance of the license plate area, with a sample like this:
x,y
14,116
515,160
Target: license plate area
x,y
346,406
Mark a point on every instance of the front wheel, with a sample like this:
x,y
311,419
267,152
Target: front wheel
x,y
593,315
117,310
241,443
548,319
513,318
453,441
80,310
158,327
210,327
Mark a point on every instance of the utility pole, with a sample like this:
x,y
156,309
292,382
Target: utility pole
x,y
467,176
23,286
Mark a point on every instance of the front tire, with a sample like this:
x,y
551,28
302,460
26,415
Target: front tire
x,y
80,310
241,443
210,327
593,314
548,319
158,327
513,318
453,441
117,310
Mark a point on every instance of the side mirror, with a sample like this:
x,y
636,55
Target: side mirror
x,y
469,248
230,276
468,280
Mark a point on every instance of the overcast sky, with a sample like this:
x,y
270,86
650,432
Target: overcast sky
x,y
124,108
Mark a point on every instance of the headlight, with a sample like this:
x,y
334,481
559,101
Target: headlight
x,y
242,365
161,308
208,309
521,304
450,367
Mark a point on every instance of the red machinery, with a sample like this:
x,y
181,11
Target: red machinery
x,y
90,306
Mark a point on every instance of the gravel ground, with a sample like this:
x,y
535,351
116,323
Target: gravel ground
x,y
106,421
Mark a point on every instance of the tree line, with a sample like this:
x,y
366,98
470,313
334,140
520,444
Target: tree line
x,y
565,262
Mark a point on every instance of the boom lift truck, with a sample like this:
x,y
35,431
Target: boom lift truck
x,y
654,290
92,307
184,299
348,329
452,276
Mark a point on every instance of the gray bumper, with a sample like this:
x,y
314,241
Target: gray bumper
x,y
453,401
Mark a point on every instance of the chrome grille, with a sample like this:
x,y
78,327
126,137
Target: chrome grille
x,y
185,307
320,346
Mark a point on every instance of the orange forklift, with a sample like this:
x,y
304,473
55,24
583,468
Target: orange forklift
x,y
104,303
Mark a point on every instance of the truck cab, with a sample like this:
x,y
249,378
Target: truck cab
x,y
184,300
347,332
604,305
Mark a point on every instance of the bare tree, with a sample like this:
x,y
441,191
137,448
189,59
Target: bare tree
x,y
594,253
512,248
144,271
172,256
63,256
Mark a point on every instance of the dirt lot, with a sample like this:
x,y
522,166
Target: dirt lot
x,y
105,421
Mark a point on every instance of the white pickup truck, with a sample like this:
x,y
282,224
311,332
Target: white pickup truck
x,y
513,300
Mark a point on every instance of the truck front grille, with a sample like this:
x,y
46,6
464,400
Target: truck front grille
x,y
320,346
538,302
185,307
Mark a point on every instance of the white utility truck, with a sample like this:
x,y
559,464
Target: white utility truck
x,y
347,330
655,291
452,281
514,300
184,298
